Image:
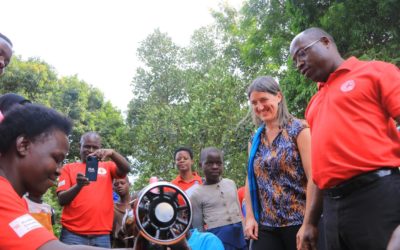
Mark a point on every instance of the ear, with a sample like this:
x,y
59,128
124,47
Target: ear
x,y
23,145
325,41
279,96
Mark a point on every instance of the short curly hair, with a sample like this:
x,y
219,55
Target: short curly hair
x,y
32,121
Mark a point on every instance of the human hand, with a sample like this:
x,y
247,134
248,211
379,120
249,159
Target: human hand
x,y
251,228
82,180
307,237
102,153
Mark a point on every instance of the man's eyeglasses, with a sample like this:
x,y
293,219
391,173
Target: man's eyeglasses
x,y
301,53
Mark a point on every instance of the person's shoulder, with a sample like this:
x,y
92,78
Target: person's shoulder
x,y
229,182
176,180
73,165
377,65
295,125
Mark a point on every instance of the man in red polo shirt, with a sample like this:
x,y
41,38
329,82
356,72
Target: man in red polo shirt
x,y
88,211
355,145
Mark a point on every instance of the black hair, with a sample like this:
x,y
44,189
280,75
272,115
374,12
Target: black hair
x,y
187,149
6,39
30,120
10,99
205,151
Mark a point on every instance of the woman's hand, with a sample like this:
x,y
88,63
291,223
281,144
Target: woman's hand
x,y
251,228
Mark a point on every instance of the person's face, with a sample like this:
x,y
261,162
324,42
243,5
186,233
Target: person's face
x,y
121,186
89,144
42,161
312,57
212,167
183,161
5,54
265,105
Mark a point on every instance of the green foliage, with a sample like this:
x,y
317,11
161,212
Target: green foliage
x,y
196,95
82,103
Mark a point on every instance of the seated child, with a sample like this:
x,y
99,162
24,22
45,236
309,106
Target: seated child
x,y
215,202
40,210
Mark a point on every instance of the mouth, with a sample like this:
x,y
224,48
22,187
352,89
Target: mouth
x,y
304,71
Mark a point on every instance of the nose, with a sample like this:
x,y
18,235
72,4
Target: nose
x,y
258,106
91,149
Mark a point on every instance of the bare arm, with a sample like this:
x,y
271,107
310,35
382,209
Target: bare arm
x,y
123,166
56,244
308,233
67,196
398,120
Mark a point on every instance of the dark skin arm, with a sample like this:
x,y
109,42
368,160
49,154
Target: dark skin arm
x,y
66,197
308,234
123,168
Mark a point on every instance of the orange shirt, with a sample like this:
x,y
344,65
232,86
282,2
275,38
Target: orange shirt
x,y
352,130
187,186
19,230
92,211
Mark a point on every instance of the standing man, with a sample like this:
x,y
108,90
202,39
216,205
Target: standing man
x,y
88,211
355,145
5,52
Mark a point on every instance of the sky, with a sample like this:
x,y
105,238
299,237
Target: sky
x,y
98,39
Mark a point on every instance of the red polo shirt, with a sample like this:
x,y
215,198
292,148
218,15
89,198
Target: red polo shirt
x,y
351,121
187,186
92,210
19,230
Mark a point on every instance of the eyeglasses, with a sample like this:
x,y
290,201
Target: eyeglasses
x,y
301,53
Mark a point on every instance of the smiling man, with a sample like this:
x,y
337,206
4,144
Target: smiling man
x,y
87,215
355,145
5,52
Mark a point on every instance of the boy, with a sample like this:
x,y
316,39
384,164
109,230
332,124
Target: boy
x,y
215,203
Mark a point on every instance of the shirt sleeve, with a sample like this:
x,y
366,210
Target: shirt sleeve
x,y
19,230
64,181
197,212
390,89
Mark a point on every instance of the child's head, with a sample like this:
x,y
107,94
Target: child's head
x,y
33,145
212,163
183,159
121,186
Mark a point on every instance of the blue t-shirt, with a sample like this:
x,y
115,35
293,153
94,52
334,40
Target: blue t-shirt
x,y
204,241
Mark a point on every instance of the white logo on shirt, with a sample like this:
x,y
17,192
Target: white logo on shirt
x,y
348,86
24,224
61,183
102,171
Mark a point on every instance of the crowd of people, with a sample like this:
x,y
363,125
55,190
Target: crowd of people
x,y
331,181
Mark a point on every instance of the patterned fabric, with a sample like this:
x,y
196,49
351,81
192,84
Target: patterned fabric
x,y
281,179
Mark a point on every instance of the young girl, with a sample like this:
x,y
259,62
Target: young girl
x,y
215,203
33,145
